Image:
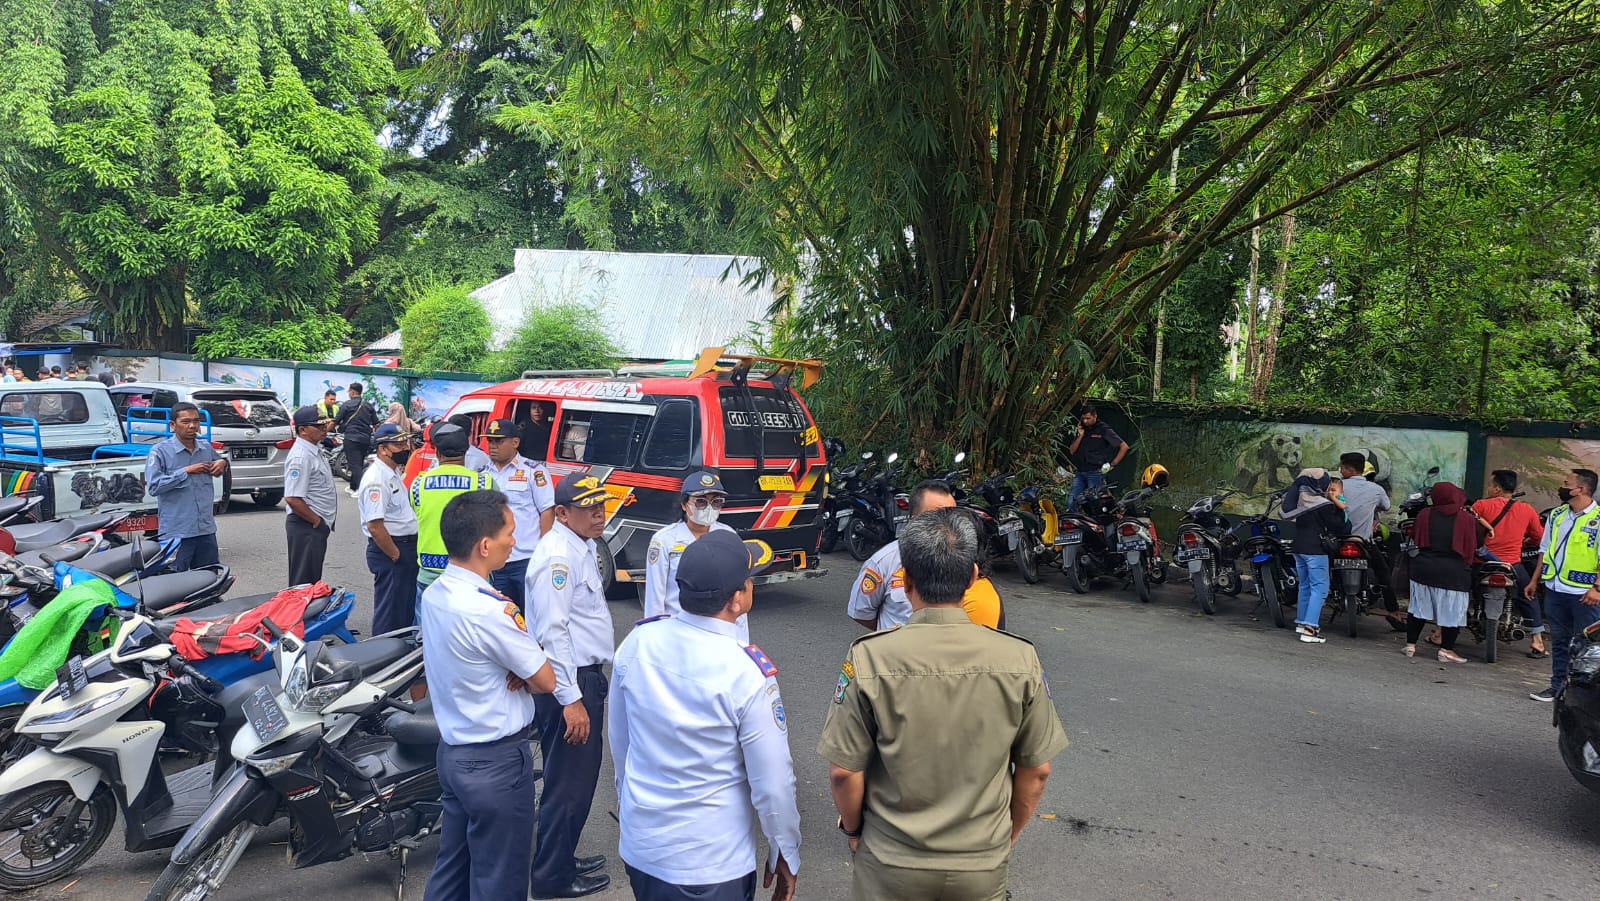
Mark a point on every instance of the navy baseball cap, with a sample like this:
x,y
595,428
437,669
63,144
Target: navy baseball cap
x,y
390,433
581,490
717,565
502,428
702,483
449,440
309,415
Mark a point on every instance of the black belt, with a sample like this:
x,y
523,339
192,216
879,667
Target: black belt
x,y
521,735
407,538
592,668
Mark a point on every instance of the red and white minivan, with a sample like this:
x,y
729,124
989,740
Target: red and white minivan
x,y
647,428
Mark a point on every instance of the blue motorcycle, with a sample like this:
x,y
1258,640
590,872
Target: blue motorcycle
x,y
1271,562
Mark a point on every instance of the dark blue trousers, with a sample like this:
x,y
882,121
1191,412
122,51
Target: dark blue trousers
x,y
570,775
193,553
394,585
649,888
509,581
488,822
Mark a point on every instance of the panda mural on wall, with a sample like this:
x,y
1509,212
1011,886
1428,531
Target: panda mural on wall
x,y
1269,463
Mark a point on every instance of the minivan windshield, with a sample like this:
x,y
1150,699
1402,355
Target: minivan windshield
x,y
243,412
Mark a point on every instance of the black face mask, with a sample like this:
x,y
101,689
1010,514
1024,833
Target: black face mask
x,y
400,457
1565,494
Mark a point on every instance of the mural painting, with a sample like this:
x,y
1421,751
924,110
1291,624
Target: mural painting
x,y
1540,463
378,390
433,397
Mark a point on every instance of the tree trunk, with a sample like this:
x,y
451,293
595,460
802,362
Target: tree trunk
x,y
1274,323
1252,300
1194,385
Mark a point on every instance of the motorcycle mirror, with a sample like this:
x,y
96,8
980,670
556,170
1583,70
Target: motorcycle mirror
x,y
866,455
891,458
1433,472
960,457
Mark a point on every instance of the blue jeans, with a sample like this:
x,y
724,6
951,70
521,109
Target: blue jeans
x,y
1567,616
1082,483
509,581
193,553
1312,570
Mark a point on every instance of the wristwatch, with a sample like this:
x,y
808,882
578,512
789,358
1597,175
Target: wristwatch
x,y
848,833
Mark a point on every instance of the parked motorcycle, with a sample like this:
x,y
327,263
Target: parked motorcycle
x,y
842,481
1490,607
1271,562
1040,525
1356,565
1577,710
32,536
302,754
1115,538
1209,548
1136,540
878,510
1003,533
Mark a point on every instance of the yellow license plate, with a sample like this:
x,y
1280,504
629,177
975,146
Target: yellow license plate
x,y
777,483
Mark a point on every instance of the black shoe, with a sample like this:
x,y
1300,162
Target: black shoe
x,y
1547,696
583,885
587,865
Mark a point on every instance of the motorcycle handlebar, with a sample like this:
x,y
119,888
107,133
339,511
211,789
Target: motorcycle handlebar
x,y
184,667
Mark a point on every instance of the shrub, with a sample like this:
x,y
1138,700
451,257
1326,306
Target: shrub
x,y
559,336
445,329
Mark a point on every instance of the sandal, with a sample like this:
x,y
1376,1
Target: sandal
x,y
1396,621
1537,653
1409,650
1450,657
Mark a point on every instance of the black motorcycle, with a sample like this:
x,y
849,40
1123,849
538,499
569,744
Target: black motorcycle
x,y
837,509
1111,538
1271,562
877,511
1577,713
1004,534
1209,549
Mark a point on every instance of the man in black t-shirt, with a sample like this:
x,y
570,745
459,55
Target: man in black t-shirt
x,y
1094,451
357,418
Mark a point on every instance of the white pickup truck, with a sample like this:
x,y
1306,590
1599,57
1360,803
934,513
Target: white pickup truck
x,y
63,442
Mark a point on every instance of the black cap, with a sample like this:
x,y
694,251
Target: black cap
x,y
308,416
449,440
502,428
716,565
581,490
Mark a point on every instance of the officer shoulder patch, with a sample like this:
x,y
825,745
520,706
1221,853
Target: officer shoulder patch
x,y
897,582
539,478
778,715
847,674
765,664
374,494
558,575
655,553
511,610
653,619
869,580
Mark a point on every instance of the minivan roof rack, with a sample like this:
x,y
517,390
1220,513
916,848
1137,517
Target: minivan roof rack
x,y
717,360
569,373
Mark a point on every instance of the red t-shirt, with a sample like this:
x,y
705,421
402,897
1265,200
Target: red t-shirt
x,y
1517,528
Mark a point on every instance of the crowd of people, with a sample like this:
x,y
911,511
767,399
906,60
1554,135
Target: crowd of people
x,y
73,372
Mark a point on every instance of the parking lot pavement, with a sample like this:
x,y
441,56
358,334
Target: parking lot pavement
x,y
1211,757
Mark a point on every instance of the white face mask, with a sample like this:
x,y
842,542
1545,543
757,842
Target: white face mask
x,y
704,516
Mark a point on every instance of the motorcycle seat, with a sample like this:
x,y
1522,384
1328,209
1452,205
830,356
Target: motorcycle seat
x,y
171,589
118,561
233,607
66,552
418,729
14,504
95,521
371,655
34,536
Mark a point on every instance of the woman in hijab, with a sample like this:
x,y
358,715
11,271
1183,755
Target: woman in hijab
x,y
1441,573
1317,510
397,416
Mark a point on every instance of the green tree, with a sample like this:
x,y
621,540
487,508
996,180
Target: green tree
x,y
558,336
445,330
983,186
185,159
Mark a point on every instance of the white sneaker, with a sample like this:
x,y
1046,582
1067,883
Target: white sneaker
x,y
1310,635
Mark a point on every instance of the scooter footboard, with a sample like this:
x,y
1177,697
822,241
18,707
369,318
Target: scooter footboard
x,y
241,797
43,765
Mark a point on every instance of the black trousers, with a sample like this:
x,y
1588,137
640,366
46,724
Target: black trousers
x,y
649,888
394,585
487,792
307,548
570,775
355,453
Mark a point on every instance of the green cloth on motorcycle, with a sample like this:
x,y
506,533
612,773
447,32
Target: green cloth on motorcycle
x,y
44,643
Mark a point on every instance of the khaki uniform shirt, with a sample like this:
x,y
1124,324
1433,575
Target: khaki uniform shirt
x,y
935,713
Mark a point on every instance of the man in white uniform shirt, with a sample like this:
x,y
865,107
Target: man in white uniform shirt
x,y
483,670
531,493
700,740
567,601
701,502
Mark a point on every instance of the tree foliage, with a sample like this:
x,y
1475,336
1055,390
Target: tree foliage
x,y
558,336
983,187
184,156
445,330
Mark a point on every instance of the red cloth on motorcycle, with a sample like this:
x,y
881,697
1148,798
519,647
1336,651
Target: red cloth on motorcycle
x,y
8,545
1449,500
231,635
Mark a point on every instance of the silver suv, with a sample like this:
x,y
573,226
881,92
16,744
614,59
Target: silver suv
x,y
249,422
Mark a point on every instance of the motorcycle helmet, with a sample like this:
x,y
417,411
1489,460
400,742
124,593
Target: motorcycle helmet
x,y
1155,476
833,448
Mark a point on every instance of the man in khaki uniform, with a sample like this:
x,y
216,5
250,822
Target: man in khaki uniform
x,y
940,735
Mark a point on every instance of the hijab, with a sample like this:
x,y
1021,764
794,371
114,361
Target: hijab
x,y
397,415
1309,491
1449,500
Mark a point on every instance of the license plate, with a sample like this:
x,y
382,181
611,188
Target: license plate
x,y
1006,528
1070,538
249,453
1199,553
1132,544
264,714
145,523
776,483
1341,563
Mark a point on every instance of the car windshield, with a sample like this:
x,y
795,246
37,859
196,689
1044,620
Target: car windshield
x,y
251,412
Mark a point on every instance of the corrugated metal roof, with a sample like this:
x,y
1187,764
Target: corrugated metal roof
x,y
654,305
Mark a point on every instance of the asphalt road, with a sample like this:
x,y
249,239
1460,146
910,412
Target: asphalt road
x,y
1211,757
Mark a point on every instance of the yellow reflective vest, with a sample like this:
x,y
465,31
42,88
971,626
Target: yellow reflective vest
x,y
430,491
1572,557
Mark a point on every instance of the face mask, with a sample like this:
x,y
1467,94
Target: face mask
x,y
704,516
400,457
1565,494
